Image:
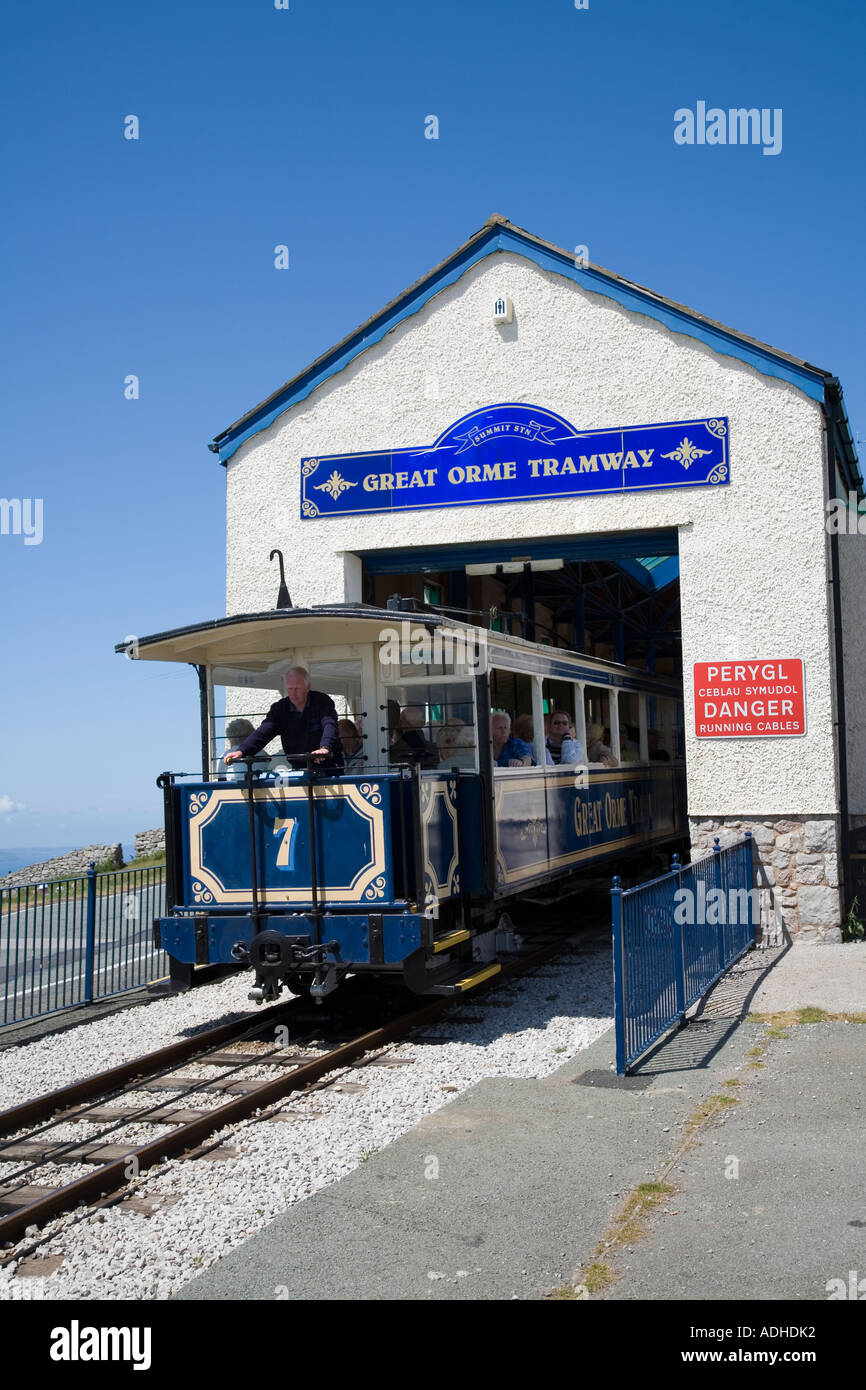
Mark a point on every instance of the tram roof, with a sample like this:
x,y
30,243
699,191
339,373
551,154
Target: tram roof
x,y
245,639
498,234
250,641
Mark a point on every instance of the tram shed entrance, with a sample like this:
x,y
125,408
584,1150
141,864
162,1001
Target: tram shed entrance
x,y
613,597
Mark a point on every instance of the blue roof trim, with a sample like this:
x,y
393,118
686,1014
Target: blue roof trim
x,y
499,238
655,574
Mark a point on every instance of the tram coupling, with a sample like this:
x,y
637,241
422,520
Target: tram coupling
x,y
275,956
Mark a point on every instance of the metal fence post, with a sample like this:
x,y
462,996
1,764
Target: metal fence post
x,y
679,954
750,879
721,910
618,974
90,933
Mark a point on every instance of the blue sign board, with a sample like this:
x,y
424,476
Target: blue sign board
x,y
516,453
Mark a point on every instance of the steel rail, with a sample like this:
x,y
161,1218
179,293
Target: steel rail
x,y
115,1174
116,1077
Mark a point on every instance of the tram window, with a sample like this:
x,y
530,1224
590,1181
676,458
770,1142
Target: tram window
x,y
564,734
250,694
512,726
597,711
628,705
659,721
341,679
679,731
241,701
428,723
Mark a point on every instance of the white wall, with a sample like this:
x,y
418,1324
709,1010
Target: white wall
x,y
852,566
752,555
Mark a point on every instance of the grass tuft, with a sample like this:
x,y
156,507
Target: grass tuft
x,y
809,1013
597,1276
812,1014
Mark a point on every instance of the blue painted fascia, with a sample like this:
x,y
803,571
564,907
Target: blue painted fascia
x,y
489,241
432,559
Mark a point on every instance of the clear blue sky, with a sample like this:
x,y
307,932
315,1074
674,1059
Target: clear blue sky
x,y
306,127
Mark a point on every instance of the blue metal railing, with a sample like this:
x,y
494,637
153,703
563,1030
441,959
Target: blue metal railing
x,y
673,937
73,940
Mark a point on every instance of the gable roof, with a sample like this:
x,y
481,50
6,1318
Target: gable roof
x,y
498,234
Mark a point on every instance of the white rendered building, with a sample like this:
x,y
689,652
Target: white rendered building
x,y
667,570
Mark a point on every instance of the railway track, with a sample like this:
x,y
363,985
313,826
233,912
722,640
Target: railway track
x,y
25,1203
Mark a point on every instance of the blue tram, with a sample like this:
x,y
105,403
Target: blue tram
x,y
402,864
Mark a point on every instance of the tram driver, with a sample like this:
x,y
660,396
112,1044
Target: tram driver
x,y
305,721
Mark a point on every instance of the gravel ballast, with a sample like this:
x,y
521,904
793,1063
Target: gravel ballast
x,y
201,1209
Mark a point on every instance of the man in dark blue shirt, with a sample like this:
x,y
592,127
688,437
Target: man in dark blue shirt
x,y
306,722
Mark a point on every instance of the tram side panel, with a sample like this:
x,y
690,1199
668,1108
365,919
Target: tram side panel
x,y
398,861
555,820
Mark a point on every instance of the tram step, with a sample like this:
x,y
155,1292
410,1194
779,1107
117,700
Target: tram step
x,y
463,978
450,938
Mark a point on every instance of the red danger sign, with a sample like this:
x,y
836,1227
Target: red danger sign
x,y
749,699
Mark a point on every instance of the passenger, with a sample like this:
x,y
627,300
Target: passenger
x,y
305,721
455,744
597,751
563,744
408,744
236,731
353,745
524,729
507,750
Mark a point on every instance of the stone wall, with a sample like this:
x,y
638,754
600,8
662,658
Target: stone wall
x,y
78,861
799,869
149,842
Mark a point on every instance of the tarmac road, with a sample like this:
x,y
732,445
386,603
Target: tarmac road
x,y
42,953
